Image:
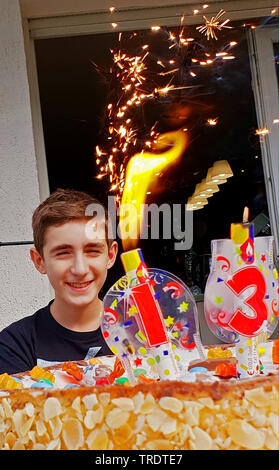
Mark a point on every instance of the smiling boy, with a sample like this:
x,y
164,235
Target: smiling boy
x,y
74,251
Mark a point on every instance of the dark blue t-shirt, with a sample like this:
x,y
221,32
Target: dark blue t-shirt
x,y
40,340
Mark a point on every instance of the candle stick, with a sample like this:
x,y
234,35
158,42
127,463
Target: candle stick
x,y
148,315
242,236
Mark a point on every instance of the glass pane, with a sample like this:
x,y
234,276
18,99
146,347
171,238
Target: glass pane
x,y
213,103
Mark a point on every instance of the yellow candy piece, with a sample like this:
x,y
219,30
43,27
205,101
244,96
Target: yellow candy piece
x,y
94,360
40,373
215,353
7,382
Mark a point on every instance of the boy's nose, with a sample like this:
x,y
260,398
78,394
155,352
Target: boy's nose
x,y
79,265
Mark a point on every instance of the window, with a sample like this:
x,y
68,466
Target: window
x,y
218,112
264,61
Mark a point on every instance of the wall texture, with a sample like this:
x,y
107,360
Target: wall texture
x,y
22,289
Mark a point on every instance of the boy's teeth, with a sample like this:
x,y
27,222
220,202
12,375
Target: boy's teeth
x,y
79,284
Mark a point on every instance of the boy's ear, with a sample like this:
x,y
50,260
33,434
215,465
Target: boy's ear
x,y
37,260
112,253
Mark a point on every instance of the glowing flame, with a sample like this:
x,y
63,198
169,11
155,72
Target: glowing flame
x,y
141,171
245,216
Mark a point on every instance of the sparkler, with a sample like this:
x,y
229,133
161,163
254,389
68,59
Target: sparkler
x,y
136,85
213,24
137,79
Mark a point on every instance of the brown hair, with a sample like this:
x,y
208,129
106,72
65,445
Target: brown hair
x,y
63,205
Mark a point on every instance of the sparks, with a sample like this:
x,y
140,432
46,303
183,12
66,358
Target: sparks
x,y
213,24
212,121
263,131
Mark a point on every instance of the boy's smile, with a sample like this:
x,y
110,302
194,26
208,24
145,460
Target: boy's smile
x,y
76,261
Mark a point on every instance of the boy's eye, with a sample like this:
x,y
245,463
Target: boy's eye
x,y
62,253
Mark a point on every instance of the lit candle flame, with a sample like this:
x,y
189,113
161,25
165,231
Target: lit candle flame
x,y
245,217
141,171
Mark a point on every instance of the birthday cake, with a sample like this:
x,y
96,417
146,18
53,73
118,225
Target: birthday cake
x,y
202,412
160,391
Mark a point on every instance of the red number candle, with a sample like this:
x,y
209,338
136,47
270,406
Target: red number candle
x,y
149,316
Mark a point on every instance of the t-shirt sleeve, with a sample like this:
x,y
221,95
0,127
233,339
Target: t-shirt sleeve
x,y
16,349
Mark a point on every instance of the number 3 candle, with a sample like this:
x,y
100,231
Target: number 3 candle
x,y
241,289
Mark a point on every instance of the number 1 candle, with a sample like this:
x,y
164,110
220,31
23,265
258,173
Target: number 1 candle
x,y
148,314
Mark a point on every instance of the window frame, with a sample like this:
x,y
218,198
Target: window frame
x,y
266,93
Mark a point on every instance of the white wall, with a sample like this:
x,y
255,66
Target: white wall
x,y
23,290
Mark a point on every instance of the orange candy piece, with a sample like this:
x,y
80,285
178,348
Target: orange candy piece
x,y
226,369
146,380
72,369
118,370
275,351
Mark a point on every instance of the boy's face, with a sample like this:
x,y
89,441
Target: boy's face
x,y
76,259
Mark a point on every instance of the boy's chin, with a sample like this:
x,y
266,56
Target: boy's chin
x,y
81,300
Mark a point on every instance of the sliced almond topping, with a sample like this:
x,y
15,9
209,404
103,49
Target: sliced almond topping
x,y
192,413
138,401
171,404
202,440
156,419
56,426
52,408
90,401
54,445
22,426
116,418
41,428
141,438
148,404
7,408
97,440
29,409
72,434
207,401
257,396
89,419
38,446
18,445
273,421
259,420
124,403
123,434
104,398
271,441
76,404
18,419
168,426
245,435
